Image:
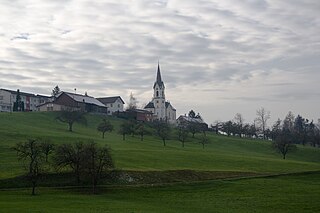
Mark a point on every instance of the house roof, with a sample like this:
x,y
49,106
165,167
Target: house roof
x,y
24,93
189,119
110,100
167,104
149,105
83,98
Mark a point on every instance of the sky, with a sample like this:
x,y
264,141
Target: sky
x,y
217,57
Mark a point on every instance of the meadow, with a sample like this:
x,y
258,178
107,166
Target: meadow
x,y
251,166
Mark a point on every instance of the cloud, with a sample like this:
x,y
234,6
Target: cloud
x,y
212,53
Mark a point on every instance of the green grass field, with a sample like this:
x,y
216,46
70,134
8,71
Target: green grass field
x,y
224,154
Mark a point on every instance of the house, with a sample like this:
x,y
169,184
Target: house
x,y
183,119
30,101
162,109
74,102
114,104
140,115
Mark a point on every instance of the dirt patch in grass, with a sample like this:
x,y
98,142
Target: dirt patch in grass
x,y
123,177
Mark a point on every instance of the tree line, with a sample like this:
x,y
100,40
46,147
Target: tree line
x,y
86,160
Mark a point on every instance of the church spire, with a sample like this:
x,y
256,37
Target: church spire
x,y
159,79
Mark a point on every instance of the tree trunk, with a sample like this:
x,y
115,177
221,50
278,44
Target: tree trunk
x,y
182,143
70,127
203,146
124,137
103,135
33,188
164,142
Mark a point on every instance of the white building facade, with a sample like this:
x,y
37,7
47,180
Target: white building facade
x,y
31,101
114,104
161,109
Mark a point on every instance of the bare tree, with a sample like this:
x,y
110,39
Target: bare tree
x,y
284,143
105,126
140,130
31,153
263,117
162,130
238,118
132,102
70,117
98,162
204,140
183,133
72,156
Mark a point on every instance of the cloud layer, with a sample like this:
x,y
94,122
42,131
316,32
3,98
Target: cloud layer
x,y
217,57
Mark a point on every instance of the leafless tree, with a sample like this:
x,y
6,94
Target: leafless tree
x,y
262,117
98,162
31,153
238,119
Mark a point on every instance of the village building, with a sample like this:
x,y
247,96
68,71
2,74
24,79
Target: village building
x,y
30,101
114,104
66,101
161,109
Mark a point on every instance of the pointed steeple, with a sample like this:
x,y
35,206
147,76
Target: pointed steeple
x,y
158,80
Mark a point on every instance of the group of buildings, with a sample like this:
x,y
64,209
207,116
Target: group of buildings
x,y
157,108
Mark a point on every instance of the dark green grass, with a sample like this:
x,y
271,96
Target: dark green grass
x,y
294,193
222,154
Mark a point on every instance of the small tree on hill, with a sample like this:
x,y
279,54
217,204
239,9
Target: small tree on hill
x,y
183,133
125,129
140,130
163,130
70,117
284,143
105,126
31,153
194,128
204,140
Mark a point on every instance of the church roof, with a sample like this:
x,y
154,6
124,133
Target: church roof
x,y
168,104
158,80
149,105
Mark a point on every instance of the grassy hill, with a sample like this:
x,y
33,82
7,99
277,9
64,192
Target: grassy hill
x,y
223,157
222,154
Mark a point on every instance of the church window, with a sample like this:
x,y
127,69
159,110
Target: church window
x,y
162,101
157,102
157,93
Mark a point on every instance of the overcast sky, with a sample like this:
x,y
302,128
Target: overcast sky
x,y
217,57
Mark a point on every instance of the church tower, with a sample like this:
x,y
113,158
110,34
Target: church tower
x,y
161,109
159,96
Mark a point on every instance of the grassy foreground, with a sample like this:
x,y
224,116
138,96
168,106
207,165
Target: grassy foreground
x,y
298,193
148,161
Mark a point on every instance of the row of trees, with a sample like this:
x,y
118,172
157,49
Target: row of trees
x,y
301,130
86,160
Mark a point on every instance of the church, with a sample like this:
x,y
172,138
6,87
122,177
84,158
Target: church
x,y
161,109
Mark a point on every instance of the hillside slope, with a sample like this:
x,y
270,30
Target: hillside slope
x,y
222,154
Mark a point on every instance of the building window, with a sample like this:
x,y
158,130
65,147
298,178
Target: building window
x,y
157,93
157,102
118,105
111,105
1,97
